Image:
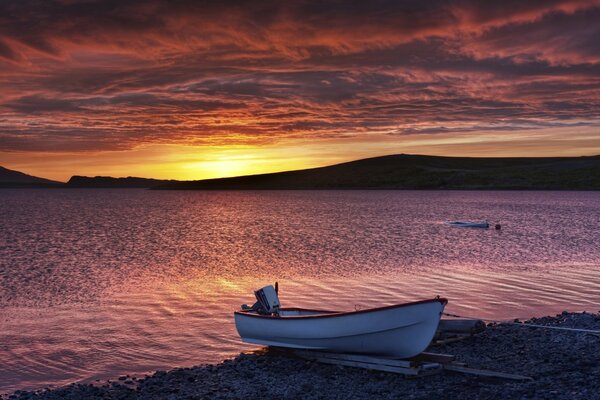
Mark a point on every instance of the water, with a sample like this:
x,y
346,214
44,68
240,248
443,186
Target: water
x,y
98,283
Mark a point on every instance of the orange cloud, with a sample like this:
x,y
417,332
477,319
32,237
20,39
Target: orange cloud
x,y
116,76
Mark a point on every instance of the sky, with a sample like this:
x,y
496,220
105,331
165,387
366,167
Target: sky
x,y
199,89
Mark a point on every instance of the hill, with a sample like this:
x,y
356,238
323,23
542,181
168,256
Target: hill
x,y
110,182
15,179
422,172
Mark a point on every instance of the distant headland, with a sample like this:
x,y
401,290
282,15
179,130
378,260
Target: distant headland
x,y
421,172
402,171
15,179
110,182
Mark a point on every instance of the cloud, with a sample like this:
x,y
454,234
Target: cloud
x,y
515,125
113,75
37,104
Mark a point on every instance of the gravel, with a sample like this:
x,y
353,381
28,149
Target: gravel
x,y
564,365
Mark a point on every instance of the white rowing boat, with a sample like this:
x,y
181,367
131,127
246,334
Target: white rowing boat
x,y
401,330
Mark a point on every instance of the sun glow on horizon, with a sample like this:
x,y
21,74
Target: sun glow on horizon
x,y
217,91
185,162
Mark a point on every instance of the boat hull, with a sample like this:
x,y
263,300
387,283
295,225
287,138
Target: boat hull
x,y
404,330
460,224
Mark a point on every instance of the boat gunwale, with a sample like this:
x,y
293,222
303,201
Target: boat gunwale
x,y
333,314
467,223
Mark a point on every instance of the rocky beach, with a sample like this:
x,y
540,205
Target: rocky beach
x,y
563,364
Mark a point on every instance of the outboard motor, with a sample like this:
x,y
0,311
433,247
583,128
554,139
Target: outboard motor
x,y
268,299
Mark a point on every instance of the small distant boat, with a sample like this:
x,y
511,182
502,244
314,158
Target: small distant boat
x,y
469,224
401,330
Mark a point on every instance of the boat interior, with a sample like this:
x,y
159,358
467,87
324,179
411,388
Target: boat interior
x,y
297,312
267,303
294,312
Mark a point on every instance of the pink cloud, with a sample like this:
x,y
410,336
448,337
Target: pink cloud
x,y
112,75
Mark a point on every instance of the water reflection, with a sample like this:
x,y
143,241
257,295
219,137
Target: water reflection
x,y
94,284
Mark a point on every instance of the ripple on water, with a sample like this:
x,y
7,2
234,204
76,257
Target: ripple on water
x,y
97,283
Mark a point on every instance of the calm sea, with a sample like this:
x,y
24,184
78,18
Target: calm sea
x,y
98,283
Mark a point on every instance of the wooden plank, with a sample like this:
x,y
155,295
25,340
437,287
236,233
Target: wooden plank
x,y
464,326
430,366
357,357
453,339
405,367
434,357
481,372
377,367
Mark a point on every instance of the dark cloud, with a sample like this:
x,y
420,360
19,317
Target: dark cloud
x,y
515,125
85,75
8,53
37,104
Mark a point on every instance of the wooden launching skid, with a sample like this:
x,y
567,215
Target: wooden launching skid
x,y
422,365
449,330
453,330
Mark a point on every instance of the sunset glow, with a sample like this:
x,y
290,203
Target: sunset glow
x,y
187,90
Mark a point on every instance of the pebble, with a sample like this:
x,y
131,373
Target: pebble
x,y
564,365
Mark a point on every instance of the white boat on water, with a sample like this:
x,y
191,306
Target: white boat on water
x,y
401,330
469,224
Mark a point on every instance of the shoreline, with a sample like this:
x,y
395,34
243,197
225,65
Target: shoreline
x,y
564,364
